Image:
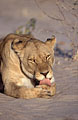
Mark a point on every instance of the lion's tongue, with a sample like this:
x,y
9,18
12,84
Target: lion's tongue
x,y
45,82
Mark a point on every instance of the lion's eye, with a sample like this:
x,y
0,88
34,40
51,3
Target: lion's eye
x,y
31,60
48,57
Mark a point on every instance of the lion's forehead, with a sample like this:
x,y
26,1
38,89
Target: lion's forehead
x,y
38,54
37,48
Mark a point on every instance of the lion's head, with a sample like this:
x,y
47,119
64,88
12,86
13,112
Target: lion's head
x,y
36,57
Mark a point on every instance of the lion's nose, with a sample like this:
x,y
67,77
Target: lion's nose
x,y
44,73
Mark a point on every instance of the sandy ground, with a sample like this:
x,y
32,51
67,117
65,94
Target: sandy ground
x,y
60,18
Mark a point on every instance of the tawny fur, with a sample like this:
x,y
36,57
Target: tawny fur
x,y
23,61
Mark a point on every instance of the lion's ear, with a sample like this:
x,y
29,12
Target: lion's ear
x,y
51,41
17,45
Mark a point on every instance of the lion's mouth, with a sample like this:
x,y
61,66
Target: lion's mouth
x,y
45,81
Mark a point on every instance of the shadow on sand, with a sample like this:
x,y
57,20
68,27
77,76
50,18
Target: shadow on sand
x,y
61,53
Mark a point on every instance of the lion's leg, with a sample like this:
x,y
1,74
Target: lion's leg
x,y
51,89
27,93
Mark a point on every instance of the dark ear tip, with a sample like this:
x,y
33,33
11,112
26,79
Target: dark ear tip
x,y
53,37
48,39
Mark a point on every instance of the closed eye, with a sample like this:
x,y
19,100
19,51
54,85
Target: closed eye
x,y
48,57
31,60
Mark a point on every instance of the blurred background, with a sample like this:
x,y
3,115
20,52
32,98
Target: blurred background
x,y
52,17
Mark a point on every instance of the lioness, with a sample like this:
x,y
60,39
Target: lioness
x,y
26,66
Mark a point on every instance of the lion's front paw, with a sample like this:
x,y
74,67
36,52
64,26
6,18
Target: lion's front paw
x,y
44,93
47,91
